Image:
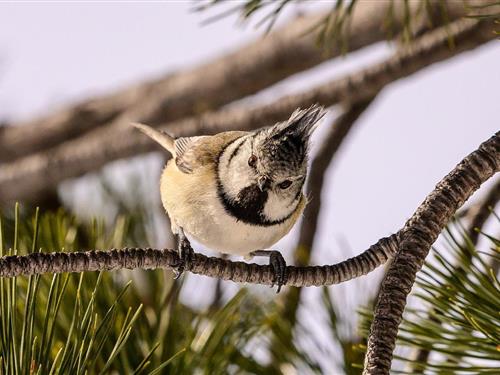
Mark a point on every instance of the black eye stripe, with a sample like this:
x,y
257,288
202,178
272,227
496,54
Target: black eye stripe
x,y
236,149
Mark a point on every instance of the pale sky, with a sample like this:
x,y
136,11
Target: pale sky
x,y
419,128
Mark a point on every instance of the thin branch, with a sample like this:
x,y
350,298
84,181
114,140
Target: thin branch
x,y
24,178
131,258
419,234
480,213
247,70
428,220
326,154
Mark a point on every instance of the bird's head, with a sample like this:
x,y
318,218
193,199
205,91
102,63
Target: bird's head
x,y
262,174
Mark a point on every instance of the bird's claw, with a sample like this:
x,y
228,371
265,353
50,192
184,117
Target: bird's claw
x,y
186,253
278,265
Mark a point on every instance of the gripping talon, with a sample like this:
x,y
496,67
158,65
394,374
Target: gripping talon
x,y
277,264
186,253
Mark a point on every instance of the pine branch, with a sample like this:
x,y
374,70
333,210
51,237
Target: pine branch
x,y
245,71
421,230
131,258
419,234
480,214
27,177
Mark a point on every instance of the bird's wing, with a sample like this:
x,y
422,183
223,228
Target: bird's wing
x,y
195,152
189,152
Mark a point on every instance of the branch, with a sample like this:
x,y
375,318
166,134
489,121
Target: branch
x,y
428,220
326,153
25,178
420,232
59,262
480,214
249,69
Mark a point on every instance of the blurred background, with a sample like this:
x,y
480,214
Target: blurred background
x,y
72,75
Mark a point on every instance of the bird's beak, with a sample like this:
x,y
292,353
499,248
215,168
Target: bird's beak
x,y
263,183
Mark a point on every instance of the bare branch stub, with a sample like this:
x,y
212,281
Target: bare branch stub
x,y
419,234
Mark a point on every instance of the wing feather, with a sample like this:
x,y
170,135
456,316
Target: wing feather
x,y
195,152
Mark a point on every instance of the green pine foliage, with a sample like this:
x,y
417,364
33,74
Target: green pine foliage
x,y
126,322
134,321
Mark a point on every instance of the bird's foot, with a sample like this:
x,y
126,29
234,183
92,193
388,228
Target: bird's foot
x,y
186,253
278,266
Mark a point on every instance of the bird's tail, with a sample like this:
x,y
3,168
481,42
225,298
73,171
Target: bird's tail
x,y
165,140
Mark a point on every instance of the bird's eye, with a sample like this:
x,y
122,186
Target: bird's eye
x,y
252,161
285,184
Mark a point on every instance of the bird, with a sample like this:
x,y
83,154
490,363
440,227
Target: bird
x,y
237,192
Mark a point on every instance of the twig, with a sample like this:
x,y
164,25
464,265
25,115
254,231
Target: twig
x,y
24,178
419,234
189,92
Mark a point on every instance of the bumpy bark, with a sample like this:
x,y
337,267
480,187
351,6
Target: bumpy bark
x,y
418,235
39,263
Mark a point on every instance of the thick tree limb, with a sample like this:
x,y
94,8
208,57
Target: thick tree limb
x,y
25,178
419,234
249,69
479,215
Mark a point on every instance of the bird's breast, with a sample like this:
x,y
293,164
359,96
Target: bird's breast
x,y
192,202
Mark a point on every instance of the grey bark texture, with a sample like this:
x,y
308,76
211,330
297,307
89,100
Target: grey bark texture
x,y
420,231
24,178
417,236
253,67
39,263
478,214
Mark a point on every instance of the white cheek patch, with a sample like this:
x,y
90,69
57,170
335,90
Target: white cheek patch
x,y
236,174
277,207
